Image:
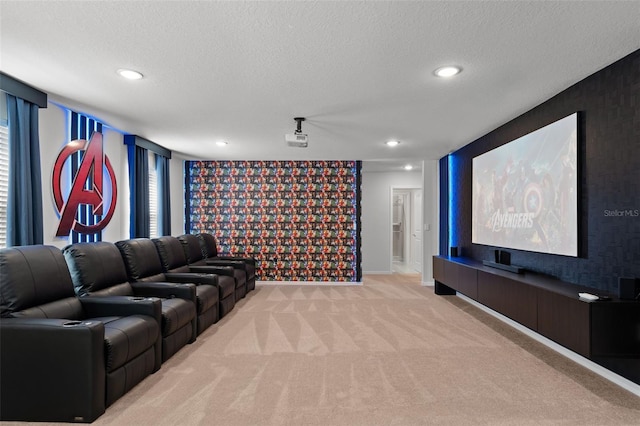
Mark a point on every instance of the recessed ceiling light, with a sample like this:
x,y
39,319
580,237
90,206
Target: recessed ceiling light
x,y
448,71
392,143
408,167
130,74
222,143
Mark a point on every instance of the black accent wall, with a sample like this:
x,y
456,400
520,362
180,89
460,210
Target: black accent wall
x,y
609,177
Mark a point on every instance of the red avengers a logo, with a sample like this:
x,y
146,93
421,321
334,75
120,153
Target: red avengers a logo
x,y
92,166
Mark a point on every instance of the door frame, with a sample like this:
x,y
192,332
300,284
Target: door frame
x,y
407,242
416,250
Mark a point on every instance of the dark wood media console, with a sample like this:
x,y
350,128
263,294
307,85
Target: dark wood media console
x,y
605,331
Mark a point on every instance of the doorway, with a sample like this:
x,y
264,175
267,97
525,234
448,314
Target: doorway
x,y
406,231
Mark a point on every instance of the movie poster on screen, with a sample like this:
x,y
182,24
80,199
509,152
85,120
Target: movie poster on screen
x,y
525,192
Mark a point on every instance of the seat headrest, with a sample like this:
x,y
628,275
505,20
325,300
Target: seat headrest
x,y
32,276
95,266
208,244
171,252
192,248
140,257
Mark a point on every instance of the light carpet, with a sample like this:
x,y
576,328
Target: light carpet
x,y
389,352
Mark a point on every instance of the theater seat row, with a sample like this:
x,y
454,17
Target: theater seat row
x,y
82,326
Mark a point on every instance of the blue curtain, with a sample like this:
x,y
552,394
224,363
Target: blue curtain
x,y
139,185
164,199
24,205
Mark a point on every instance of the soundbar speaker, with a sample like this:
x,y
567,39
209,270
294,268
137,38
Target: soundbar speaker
x,y
505,257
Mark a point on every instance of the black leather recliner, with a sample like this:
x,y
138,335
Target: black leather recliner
x,y
65,358
97,269
210,251
176,251
174,262
143,263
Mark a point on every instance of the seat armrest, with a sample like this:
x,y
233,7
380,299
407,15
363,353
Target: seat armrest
x,y
217,270
52,370
238,264
166,290
103,306
191,277
247,260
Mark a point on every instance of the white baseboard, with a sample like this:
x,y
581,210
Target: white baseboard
x,y
376,272
428,283
307,283
596,368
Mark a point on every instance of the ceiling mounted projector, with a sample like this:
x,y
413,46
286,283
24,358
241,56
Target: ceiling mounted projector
x,y
297,139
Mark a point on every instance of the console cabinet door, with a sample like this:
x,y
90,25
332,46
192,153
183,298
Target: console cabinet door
x,y
509,297
490,288
451,274
468,281
615,330
565,321
438,269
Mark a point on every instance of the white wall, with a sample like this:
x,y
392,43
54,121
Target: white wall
x,y
376,196
53,136
376,216
377,189
430,218
177,194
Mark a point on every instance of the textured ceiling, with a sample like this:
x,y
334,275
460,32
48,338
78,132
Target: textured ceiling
x,y
360,72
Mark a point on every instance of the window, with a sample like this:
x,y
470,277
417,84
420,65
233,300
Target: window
x,y
153,197
4,182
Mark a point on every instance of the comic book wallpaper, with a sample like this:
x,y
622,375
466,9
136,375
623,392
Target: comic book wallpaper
x,y
299,219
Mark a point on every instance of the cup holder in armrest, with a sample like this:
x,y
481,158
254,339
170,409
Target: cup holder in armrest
x,y
137,298
71,323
